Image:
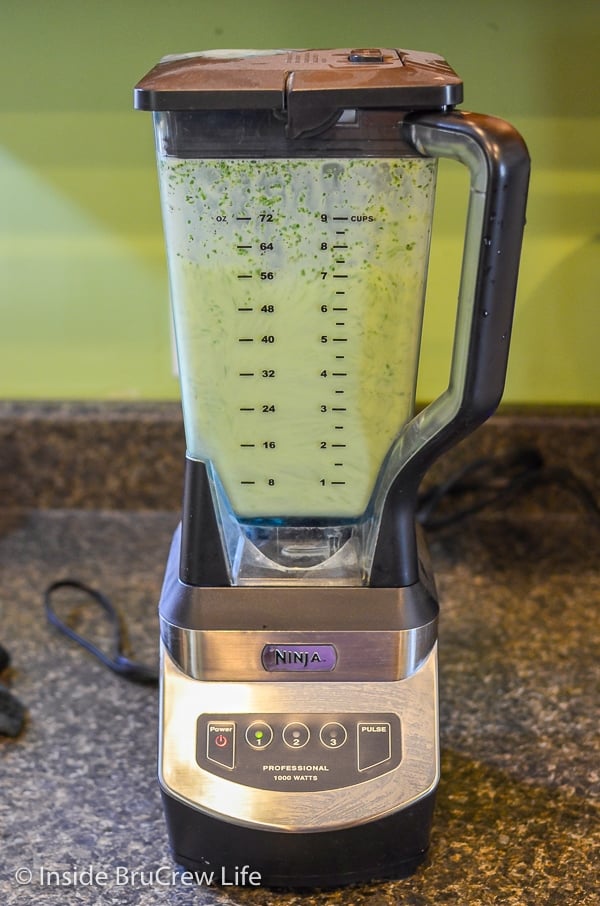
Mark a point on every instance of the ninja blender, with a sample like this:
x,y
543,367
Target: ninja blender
x,y
298,616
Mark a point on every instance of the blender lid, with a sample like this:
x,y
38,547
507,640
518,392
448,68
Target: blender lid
x,y
306,87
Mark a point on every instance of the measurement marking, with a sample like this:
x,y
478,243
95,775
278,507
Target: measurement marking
x,y
244,276
340,276
244,246
339,339
340,292
338,482
339,246
338,409
245,339
338,428
339,374
340,260
338,445
243,218
247,408
339,218
245,309
340,232
340,391
247,482
340,323
340,356
339,308
338,463
247,445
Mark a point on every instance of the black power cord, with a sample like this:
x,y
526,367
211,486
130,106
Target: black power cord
x,y
12,711
117,661
494,480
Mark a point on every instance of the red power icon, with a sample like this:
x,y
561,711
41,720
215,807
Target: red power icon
x,y
221,740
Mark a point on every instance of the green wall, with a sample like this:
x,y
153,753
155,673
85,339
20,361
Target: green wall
x,y
83,289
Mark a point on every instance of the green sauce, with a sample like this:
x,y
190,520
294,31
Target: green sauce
x,y
297,290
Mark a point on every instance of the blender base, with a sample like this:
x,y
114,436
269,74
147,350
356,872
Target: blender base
x,y
391,847
358,812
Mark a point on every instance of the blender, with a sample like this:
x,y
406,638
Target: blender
x,y
298,616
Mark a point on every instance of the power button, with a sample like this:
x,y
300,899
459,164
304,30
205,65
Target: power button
x,y
220,742
366,55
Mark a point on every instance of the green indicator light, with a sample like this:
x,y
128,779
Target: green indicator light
x,y
258,734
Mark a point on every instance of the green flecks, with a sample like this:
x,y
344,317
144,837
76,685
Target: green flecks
x,y
382,291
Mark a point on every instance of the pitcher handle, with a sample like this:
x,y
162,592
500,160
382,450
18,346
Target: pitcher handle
x,y
498,163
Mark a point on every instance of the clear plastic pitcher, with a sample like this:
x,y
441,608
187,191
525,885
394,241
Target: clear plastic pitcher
x,y
297,242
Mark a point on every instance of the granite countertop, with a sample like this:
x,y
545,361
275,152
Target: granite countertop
x,y
517,811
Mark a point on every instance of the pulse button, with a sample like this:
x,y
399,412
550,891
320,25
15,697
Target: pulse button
x,y
366,55
374,743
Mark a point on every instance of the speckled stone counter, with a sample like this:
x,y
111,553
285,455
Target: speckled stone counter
x,y
517,817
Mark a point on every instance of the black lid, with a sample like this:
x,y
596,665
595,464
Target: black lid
x,y
306,86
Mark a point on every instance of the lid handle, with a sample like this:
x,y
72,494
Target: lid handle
x,y
366,55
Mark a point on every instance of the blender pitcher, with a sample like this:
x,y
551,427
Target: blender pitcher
x,y
298,613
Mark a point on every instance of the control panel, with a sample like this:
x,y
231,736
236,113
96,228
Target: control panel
x,y
299,751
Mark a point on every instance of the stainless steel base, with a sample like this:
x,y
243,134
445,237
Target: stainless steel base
x,y
413,699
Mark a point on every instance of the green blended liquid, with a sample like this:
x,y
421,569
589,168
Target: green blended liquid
x,y
297,289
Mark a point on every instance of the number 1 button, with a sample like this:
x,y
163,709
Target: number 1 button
x,y
259,735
